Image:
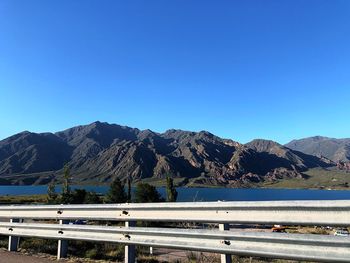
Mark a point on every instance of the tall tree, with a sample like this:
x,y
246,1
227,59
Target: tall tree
x,y
51,193
66,196
171,193
129,191
116,193
66,180
146,193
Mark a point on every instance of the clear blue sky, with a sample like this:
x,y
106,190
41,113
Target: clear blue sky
x,y
240,69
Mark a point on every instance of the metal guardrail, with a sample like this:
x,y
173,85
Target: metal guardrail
x,y
335,213
275,245
286,246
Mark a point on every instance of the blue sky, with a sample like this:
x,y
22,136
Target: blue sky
x,y
240,69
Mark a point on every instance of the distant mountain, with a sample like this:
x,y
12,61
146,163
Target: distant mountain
x,y
333,149
100,152
290,162
288,156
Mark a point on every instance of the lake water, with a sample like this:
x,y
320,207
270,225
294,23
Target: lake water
x,y
209,194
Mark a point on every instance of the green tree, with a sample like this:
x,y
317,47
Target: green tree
x,y
171,193
92,198
51,193
81,196
146,193
116,193
78,196
129,191
66,195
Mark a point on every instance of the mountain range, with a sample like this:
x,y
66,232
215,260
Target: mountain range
x,y
331,148
100,152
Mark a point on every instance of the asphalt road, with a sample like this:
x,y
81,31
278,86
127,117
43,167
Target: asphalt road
x,y
8,257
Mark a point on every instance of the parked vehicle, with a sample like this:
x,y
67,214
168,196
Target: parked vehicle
x,y
278,228
342,232
78,222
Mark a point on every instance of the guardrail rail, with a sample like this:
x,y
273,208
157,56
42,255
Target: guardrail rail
x,y
325,248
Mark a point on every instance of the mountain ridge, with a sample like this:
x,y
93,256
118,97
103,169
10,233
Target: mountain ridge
x,y
100,152
337,150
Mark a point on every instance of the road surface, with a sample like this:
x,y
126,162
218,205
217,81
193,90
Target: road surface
x,y
12,257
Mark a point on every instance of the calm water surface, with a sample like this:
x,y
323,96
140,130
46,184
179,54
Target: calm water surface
x,y
209,194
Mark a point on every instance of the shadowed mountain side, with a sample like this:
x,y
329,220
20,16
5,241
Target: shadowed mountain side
x,y
28,152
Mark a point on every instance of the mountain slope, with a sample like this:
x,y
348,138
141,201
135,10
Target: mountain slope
x,y
289,163
288,156
101,152
28,152
333,149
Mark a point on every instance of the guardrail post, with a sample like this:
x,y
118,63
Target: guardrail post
x,y
62,249
13,240
225,258
130,253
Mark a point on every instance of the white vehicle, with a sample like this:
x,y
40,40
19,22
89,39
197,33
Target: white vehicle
x,y
342,232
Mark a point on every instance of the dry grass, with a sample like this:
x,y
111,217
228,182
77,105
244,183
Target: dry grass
x,y
317,179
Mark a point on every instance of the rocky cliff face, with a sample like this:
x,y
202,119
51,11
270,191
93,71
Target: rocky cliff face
x,y
101,152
